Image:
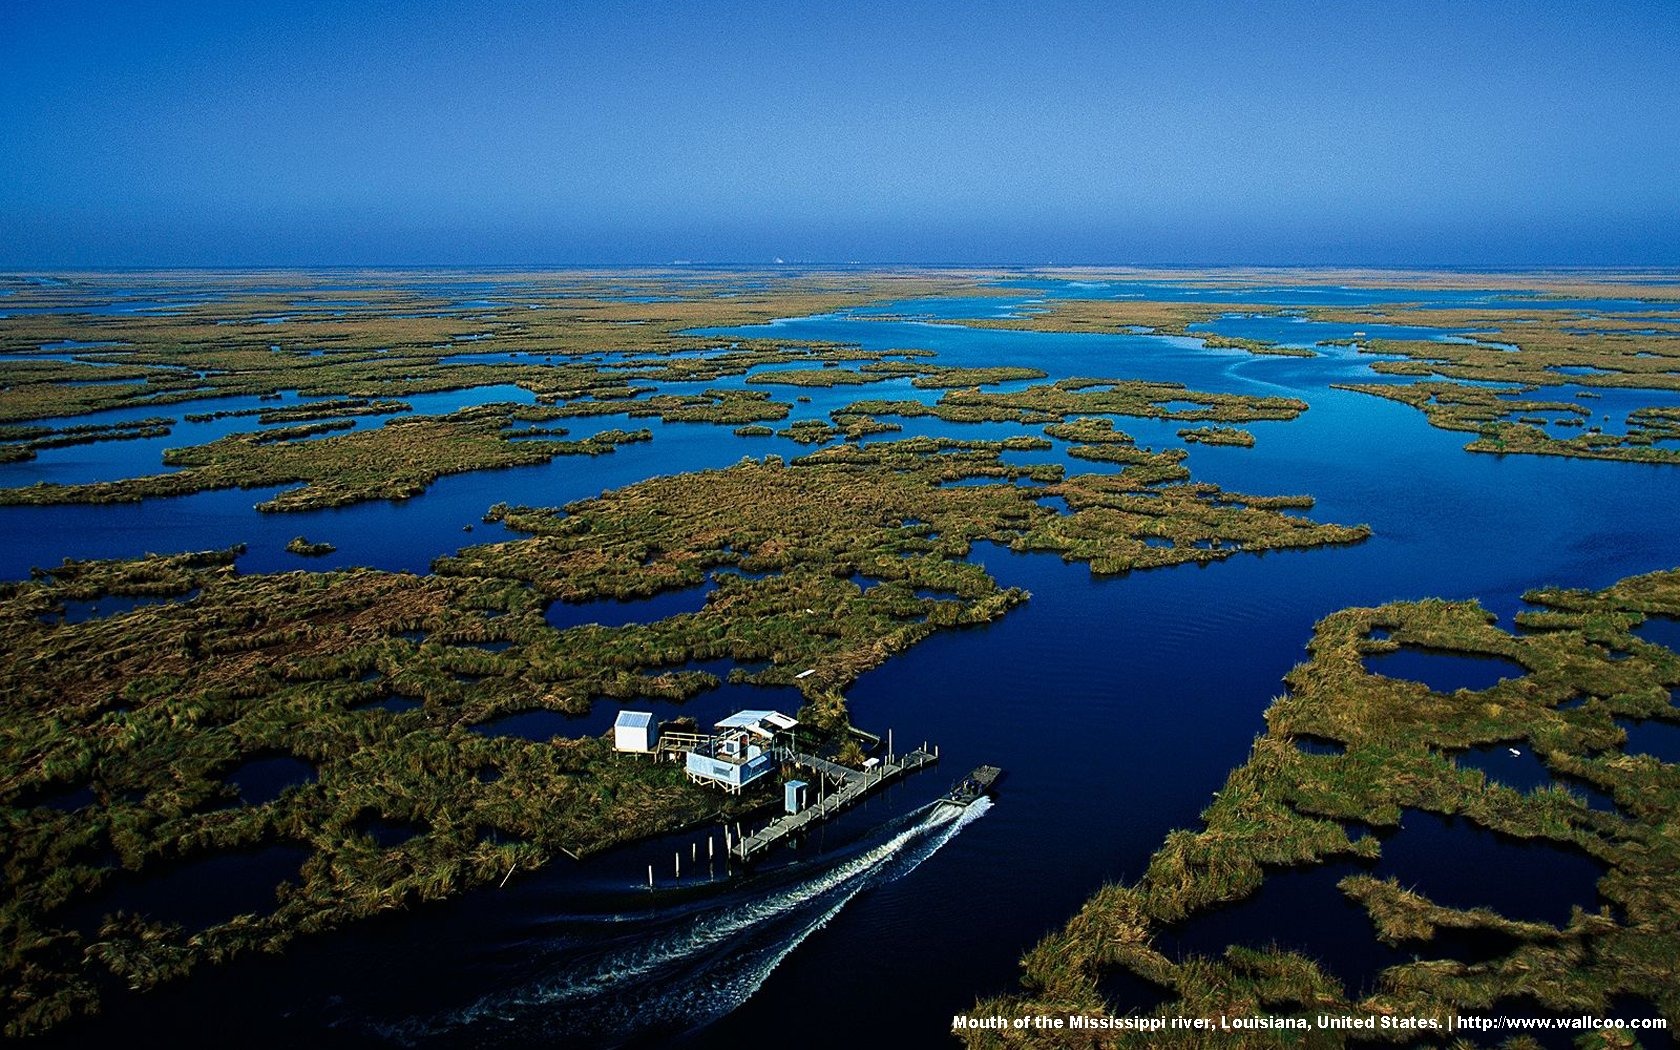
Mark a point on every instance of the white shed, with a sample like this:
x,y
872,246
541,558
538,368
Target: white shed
x,y
635,731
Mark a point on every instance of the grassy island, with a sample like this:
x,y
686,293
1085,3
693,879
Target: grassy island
x,y
558,335
394,461
1054,402
1487,411
1219,436
1529,349
125,736
20,443
301,546
1138,316
1348,757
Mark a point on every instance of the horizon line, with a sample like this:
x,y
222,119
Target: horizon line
x,y
17,270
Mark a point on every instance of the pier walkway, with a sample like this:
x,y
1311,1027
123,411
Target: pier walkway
x,y
852,786
832,770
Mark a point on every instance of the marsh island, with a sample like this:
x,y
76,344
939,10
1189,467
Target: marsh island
x,y
325,588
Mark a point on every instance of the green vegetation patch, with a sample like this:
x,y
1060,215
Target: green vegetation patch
x,y
393,462
329,409
1504,423
1235,436
816,377
710,406
1531,347
856,425
120,734
1089,430
1135,520
933,378
1138,316
810,432
20,443
546,334
1581,668
1054,402
300,545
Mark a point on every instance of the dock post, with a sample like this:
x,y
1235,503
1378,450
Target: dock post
x,y
711,847
678,857
650,878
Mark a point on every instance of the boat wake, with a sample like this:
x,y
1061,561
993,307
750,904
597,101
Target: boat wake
x,y
611,980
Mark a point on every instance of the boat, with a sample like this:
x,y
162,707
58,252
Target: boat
x,y
971,788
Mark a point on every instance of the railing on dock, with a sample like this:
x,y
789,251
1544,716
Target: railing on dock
x,y
852,785
680,744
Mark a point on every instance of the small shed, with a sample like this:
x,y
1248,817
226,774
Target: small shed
x,y
635,731
795,796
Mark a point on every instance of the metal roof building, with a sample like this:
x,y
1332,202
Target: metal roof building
x,y
738,754
762,723
634,731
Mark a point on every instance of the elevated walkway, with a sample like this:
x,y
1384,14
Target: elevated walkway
x,y
853,786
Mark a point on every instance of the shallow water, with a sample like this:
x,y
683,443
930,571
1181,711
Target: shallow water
x,y
262,779
1523,771
1443,672
1524,879
1660,740
609,613
1303,910
198,892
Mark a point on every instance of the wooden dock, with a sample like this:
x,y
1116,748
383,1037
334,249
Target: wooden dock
x,y
851,785
677,745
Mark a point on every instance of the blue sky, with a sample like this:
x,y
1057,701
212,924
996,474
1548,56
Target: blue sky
x,y
1470,133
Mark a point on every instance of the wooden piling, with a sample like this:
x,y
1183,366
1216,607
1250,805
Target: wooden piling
x,y
851,786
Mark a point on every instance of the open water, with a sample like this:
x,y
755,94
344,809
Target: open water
x,y
1116,705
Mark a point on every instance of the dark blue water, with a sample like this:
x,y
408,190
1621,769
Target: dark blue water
x,y
1523,771
198,893
581,956
538,725
1303,910
1524,879
1116,705
1660,740
1340,937
561,615
394,704
1660,630
261,780
1443,672
1520,771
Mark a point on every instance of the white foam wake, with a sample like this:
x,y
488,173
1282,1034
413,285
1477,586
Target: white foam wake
x,y
676,979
